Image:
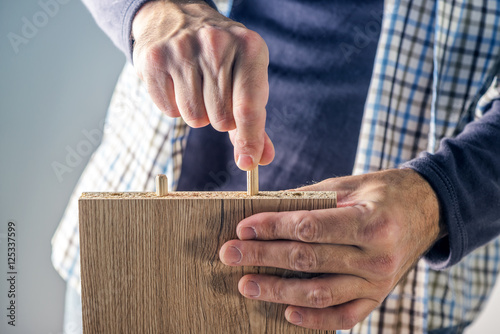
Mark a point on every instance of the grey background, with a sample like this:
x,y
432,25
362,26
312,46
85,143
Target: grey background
x,y
56,86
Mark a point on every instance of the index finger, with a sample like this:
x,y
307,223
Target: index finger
x,y
250,95
335,226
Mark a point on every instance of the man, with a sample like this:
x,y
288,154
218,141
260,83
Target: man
x,y
433,62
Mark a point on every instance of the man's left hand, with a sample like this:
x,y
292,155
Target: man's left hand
x,y
383,224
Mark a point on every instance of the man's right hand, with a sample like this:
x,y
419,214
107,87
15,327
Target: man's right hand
x,y
208,69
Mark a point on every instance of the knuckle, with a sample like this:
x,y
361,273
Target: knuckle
x,y
272,230
257,256
223,124
161,99
303,258
276,293
383,266
170,112
246,114
151,60
308,229
221,115
248,143
252,42
189,114
155,55
321,297
193,118
386,264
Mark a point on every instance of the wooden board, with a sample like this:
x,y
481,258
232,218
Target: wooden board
x,y
150,264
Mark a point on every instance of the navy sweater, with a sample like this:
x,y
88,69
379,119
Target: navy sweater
x,y
316,100
314,114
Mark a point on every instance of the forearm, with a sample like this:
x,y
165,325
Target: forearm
x,y
115,19
465,174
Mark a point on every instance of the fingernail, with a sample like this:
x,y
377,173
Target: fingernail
x,y
247,233
245,162
296,318
251,289
232,255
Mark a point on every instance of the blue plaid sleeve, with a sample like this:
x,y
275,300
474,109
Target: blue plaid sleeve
x,y
464,173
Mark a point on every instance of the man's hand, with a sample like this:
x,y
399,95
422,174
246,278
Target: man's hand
x,y
200,65
384,223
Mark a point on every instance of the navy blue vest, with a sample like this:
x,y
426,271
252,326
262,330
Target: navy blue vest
x,y
321,60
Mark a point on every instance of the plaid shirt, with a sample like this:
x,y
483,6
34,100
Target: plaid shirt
x,y
434,64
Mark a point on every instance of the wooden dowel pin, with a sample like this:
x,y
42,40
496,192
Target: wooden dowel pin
x,y
161,185
253,181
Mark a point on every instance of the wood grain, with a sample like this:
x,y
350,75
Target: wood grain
x,y
151,265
